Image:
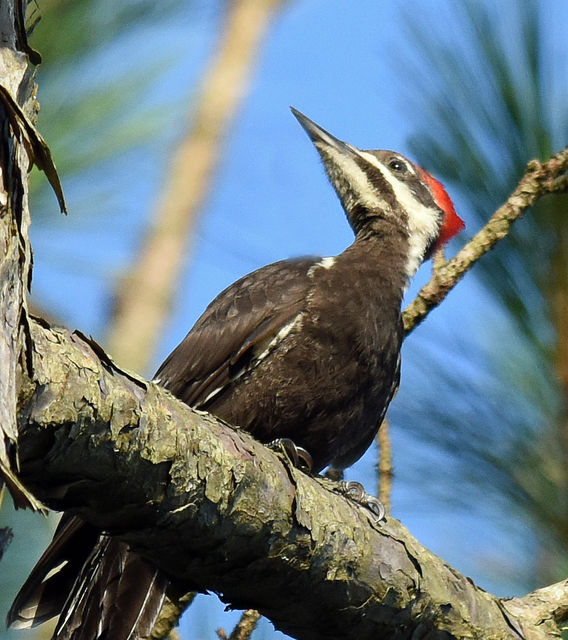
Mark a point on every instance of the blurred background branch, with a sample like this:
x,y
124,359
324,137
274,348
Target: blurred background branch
x,y
146,291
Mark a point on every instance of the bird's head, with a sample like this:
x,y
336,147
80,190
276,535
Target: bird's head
x,y
384,185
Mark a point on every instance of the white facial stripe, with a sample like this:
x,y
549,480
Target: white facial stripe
x,y
371,159
350,170
423,223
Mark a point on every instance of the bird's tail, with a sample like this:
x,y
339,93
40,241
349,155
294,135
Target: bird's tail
x,y
97,586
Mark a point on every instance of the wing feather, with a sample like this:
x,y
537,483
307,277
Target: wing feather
x,y
43,594
236,327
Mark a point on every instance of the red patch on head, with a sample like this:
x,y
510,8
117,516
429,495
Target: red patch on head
x,y
452,223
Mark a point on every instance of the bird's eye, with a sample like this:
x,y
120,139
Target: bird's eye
x,y
398,165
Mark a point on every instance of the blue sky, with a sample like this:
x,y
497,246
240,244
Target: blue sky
x,y
338,62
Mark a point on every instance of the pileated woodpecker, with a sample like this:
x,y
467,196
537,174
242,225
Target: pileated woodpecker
x,y
305,349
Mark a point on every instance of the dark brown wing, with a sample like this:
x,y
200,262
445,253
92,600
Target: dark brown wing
x,y
235,328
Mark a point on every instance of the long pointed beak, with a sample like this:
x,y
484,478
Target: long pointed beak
x,y
322,138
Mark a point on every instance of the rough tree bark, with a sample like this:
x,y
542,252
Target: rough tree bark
x,y
18,142
205,502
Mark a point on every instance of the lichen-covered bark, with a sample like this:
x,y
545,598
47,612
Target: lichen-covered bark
x,y
216,510
15,252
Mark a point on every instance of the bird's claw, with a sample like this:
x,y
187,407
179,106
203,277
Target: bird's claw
x,y
298,456
354,491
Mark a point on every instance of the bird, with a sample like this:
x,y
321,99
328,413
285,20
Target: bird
x,y
304,350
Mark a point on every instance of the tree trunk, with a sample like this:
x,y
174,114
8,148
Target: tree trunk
x,y
15,252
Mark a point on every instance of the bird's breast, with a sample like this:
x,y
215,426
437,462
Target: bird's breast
x,y
326,381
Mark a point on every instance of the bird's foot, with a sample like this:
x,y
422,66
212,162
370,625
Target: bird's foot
x,y
298,456
355,492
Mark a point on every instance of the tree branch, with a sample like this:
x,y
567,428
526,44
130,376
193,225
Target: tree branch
x,y
539,179
244,628
216,510
16,155
549,603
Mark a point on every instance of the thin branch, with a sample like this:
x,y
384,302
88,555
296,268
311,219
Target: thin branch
x,y
246,625
385,470
538,180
